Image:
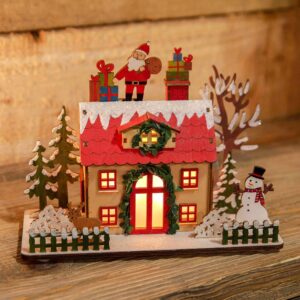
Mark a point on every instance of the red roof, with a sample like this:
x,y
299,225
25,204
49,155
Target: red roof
x,y
194,143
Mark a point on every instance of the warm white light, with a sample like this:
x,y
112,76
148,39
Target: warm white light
x,y
141,211
157,181
157,210
142,183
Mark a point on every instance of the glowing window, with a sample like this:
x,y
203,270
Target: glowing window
x,y
141,211
187,213
150,138
108,215
157,210
142,182
189,178
157,181
107,180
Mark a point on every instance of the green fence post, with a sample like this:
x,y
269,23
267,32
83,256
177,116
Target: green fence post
x,y
245,232
275,231
225,234
53,240
74,239
265,237
42,241
85,238
96,238
64,240
235,233
255,229
31,241
106,238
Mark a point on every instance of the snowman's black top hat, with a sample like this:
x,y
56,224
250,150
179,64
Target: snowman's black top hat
x,y
258,172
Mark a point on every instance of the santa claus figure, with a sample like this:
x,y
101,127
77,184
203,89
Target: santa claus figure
x,y
136,72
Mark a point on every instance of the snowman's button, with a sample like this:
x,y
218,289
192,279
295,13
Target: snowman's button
x,y
248,209
248,204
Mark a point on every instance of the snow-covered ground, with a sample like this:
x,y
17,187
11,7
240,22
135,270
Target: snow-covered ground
x,y
181,241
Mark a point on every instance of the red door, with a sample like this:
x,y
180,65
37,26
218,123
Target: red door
x,y
148,207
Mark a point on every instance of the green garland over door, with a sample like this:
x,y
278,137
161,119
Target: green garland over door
x,y
131,177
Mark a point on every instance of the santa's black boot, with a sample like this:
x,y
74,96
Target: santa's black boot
x,y
139,97
128,97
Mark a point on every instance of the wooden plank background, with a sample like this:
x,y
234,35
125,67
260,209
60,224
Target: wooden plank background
x,y
41,71
20,15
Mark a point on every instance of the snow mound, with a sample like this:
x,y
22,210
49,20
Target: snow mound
x,y
213,223
51,219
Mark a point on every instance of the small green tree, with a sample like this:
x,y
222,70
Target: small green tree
x,y
41,187
63,156
225,196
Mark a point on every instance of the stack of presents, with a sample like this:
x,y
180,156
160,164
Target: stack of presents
x,y
177,82
102,87
177,76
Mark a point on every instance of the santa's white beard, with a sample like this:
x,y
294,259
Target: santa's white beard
x,y
135,64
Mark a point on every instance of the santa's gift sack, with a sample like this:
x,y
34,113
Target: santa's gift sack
x,y
175,66
106,79
188,62
183,75
94,88
109,93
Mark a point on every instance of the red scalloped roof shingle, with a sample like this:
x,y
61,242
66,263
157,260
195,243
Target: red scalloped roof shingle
x,y
194,143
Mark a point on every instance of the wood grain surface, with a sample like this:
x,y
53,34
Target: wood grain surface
x,y
40,73
256,276
20,15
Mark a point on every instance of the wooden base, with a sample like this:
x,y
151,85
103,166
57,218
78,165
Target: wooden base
x,y
147,246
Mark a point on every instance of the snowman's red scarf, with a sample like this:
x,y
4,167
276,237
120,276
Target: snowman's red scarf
x,y
259,195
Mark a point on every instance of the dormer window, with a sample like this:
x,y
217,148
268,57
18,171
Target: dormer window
x,y
149,134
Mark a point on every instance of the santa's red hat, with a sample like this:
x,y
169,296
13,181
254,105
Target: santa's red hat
x,y
144,48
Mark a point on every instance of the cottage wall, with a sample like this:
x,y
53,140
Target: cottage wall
x,y
199,196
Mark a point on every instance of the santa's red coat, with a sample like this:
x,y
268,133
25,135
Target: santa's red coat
x,y
133,75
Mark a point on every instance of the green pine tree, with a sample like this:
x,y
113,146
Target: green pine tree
x,y
225,195
41,187
63,156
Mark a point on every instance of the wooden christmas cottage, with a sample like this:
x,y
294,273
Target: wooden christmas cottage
x,y
146,166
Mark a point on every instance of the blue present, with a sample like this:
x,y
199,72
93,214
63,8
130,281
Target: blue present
x,y
177,56
109,93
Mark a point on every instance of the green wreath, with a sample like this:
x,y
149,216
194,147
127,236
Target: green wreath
x,y
164,132
131,177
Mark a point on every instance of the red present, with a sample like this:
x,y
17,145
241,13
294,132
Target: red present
x,y
188,62
94,88
177,90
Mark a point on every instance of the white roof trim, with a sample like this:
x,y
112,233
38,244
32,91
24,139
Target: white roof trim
x,y
180,108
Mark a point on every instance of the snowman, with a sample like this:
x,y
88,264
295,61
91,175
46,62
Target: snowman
x,y
253,198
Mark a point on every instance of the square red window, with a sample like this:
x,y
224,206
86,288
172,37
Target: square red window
x,y
189,178
107,180
108,216
187,213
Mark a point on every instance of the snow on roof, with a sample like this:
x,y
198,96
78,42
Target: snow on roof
x,y
107,110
